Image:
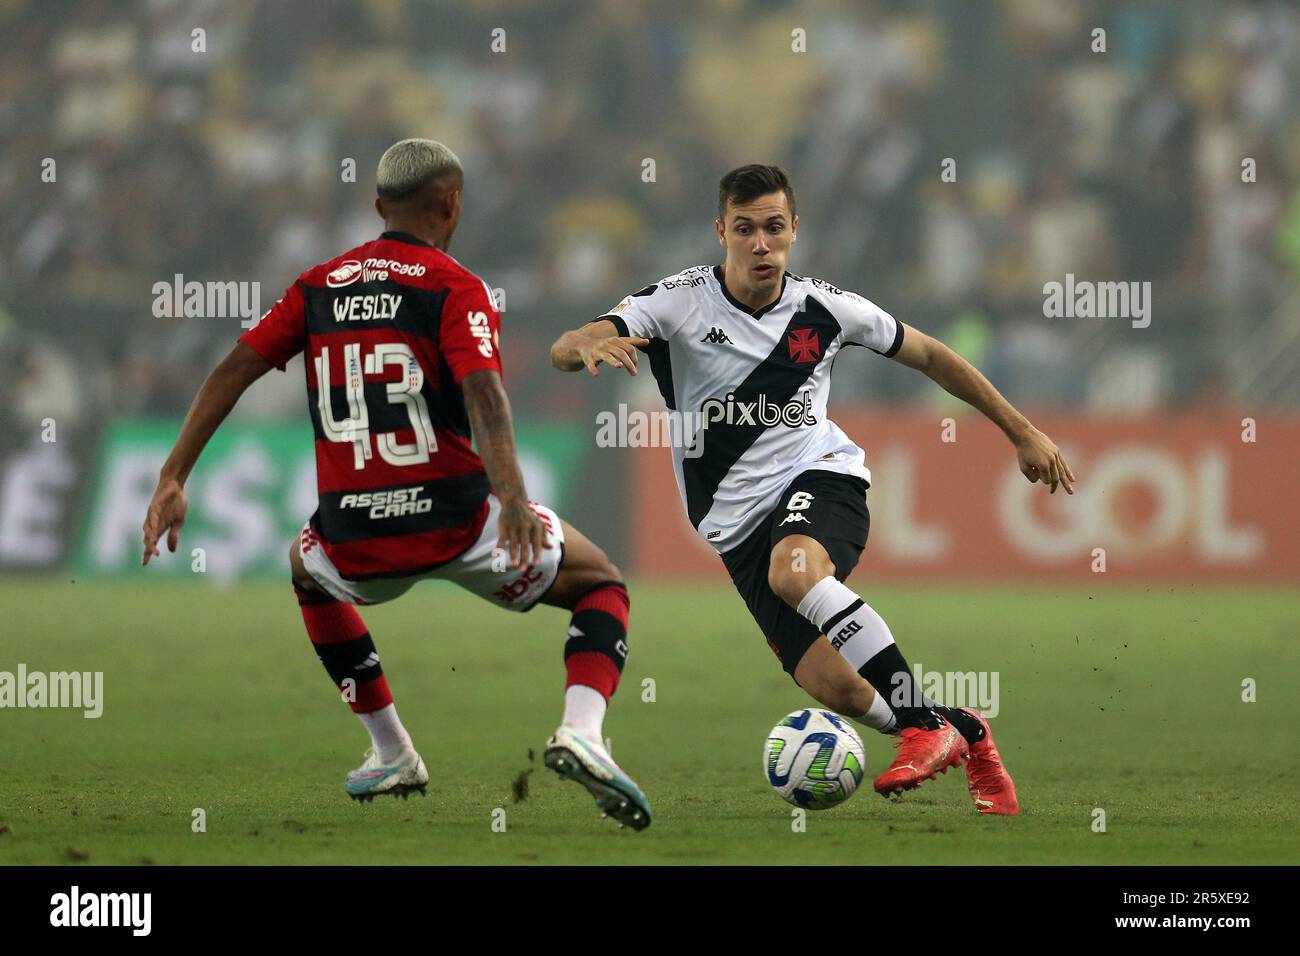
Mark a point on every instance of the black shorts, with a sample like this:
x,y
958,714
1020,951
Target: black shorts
x,y
828,507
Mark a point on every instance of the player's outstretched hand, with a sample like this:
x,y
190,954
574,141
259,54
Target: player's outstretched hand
x,y
1040,460
166,515
521,534
618,351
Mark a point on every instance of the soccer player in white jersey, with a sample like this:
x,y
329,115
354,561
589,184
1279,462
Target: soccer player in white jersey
x,y
743,351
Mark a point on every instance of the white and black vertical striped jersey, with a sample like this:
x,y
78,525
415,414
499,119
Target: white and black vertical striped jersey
x,y
749,388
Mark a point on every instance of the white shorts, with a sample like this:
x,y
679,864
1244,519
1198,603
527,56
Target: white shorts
x,y
478,569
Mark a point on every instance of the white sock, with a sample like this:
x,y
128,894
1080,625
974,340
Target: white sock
x,y
386,732
853,626
584,712
879,716
857,632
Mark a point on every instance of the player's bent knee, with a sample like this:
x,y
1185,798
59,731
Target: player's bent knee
x,y
585,564
795,567
788,578
597,565
573,584
597,585
607,570
780,572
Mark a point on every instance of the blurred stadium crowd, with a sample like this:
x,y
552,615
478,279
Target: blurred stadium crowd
x,y
226,165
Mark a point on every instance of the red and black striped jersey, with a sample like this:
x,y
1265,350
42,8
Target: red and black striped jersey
x,y
389,329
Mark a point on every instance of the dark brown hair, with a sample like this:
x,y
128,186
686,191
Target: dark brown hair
x,y
746,183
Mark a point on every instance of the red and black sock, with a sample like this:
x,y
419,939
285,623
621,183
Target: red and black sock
x,y
596,649
345,648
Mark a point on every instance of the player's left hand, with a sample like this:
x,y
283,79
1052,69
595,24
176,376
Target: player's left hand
x,y
520,533
1040,460
166,515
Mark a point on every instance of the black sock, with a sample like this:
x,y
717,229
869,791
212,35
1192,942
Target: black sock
x,y
966,725
889,674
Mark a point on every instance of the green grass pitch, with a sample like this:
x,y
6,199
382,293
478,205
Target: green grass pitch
x,y
1124,700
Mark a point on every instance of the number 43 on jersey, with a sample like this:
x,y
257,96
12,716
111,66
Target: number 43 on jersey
x,y
356,427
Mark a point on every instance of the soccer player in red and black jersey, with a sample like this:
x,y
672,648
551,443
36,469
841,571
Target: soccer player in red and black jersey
x,y
403,363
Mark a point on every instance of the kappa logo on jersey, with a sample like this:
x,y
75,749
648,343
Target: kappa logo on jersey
x,y
363,308
479,328
372,270
799,502
793,414
804,345
717,337
390,504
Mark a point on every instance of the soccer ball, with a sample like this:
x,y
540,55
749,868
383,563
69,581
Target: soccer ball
x,y
814,759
